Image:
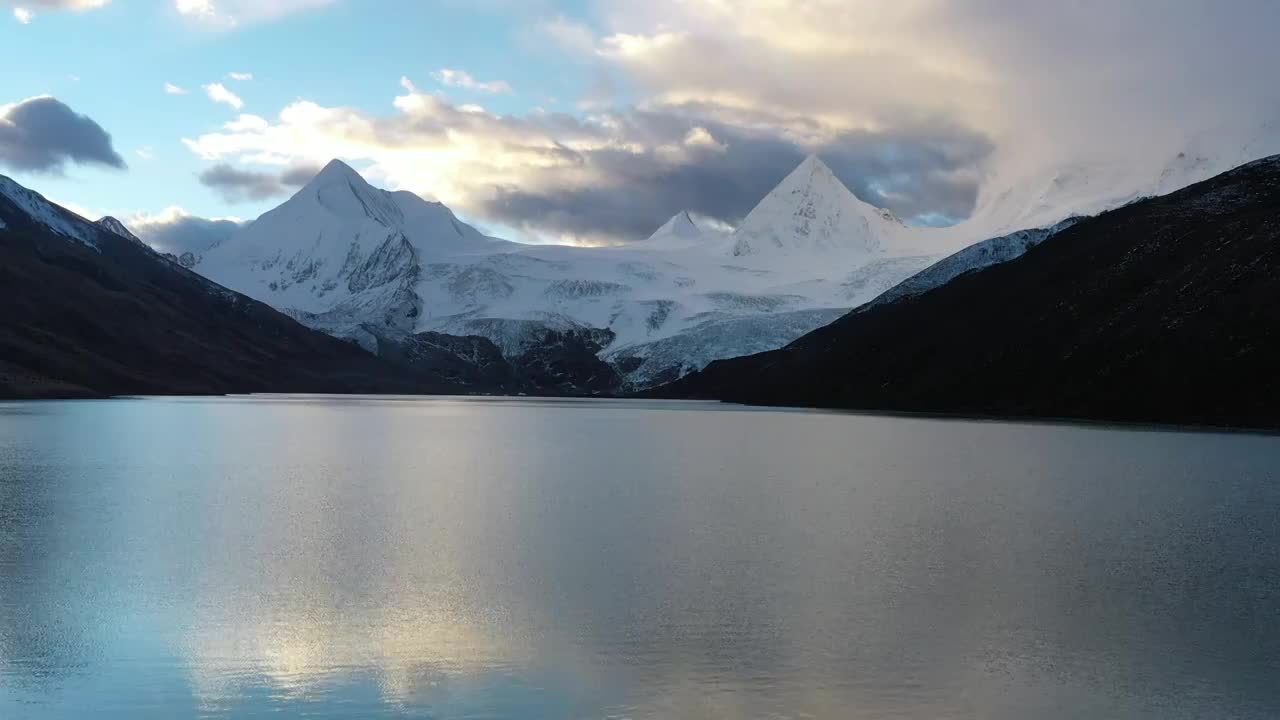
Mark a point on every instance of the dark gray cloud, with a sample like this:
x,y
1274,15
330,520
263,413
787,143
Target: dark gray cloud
x,y
176,232
237,185
965,101
43,134
618,175
922,173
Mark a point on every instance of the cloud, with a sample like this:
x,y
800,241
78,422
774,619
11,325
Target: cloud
x,y
460,79
923,106
607,177
219,93
238,185
172,89
240,76
722,172
1050,82
176,231
227,14
76,5
569,35
196,8
43,134
24,13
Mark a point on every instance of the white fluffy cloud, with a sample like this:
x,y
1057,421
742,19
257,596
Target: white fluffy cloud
x,y
232,13
609,176
25,13
461,79
219,93
240,76
174,230
1049,81
172,89
917,103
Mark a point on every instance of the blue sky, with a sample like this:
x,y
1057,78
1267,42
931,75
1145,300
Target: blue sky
x,y
113,64
596,120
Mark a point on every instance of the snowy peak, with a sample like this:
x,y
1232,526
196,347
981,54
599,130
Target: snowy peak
x,y
680,230
113,225
341,252
342,191
32,207
338,174
681,226
810,212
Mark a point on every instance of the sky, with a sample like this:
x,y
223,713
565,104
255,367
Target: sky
x,y
593,121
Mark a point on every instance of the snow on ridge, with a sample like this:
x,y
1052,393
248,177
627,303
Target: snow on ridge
x,y
341,254
971,259
42,212
111,224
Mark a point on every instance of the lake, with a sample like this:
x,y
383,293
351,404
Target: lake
x,y
559,560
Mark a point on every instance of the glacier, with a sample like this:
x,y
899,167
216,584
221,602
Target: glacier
x,y
372,266
366,264
402,276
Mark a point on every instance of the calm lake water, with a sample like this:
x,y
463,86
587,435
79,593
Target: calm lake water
x,y
443,558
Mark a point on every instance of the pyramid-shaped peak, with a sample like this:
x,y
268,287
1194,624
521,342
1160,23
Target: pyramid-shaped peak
x,y
337,171
811,211
680,225
813,163
811,171
344,192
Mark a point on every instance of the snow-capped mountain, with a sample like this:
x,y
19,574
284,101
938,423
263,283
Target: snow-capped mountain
x,y
1041,197
42,212
92,312
812,212
680,228
359,262
111,224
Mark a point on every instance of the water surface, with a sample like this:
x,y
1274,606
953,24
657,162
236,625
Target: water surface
x,y
444,558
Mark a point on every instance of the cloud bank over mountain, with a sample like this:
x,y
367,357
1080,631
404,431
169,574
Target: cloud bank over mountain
x,y
915,104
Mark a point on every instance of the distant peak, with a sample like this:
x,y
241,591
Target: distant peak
x,y
344,192
111,224
812,211
680,225
683,219
812,167
812,160
336,165
339,173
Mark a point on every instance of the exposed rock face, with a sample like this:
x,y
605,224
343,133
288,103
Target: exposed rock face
x,y
473,362
552,362
567,363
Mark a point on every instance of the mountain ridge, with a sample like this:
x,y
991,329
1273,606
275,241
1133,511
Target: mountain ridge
x,y
345,257
91,312
1156,311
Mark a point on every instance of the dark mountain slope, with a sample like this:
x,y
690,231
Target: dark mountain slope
x,y
1161,311
87,312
